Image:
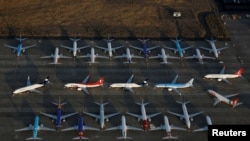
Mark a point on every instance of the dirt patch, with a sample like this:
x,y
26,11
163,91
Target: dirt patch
x,y
100,18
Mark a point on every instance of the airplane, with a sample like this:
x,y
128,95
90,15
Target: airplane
x,y
186,116
101,115
82,86
144,48
31,87
220,98
80,127
75,48
128,56
174,86
223,77
124,127
35,128
56,56
205,128
92,56
164,57
58,117
199,56
129,85
178,48
168,128
214,49
19,47
144,118
110,50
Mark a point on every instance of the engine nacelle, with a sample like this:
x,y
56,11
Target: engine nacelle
x,y
170,89
79,89
107,120
64,120
191,119
219,79
23,50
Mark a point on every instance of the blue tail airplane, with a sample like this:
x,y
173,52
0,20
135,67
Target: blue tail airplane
x,y
19,47
144,48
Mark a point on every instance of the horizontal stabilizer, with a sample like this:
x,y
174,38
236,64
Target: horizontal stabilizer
x,y
32,138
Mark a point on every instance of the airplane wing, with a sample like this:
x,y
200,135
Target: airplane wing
x,y
46,128
135,56
114,128
70,48
207,57
175,90
187,48
86,79
26,47
100,56
84,56
79,48
25,128
205,48
176,114
92,115
111,115
68,115
216,101
134,128
136,48
153,115
85,90
115,48
10,46
37,91
130,89
130,79
70,128
50,56
205,128
134,115
170,48
157,56
90,128
174,80
62,56
219,49
222,70
195,114
191,57
231,95
173,127
225,80
162,127
48,115
103,48
152,48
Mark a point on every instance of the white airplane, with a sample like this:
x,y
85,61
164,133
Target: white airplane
x,y
110,49
128,56
223,77
75,48
58,117
19,47
129,85
164,57
31,87
82,86
92,56
214,49
124,127
101,117
35,128
178,48
80,128
199,56
186,116
174,86
144,118
220,98
168,128
205,128
144,48
56,56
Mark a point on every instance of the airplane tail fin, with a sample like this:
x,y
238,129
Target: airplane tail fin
x,y
74,39
80,138
55,63
100,81
234,102
122,137
102,103
239,72
190,82
145,82
46,80
33,138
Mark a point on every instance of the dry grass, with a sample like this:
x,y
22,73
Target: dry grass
x,y
98,18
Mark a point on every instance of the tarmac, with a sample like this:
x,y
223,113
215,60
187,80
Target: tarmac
x,y
19,111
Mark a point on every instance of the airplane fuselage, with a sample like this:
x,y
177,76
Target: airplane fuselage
x,y
102,116
27,88
145,50
220,97
124,127
214,49
58,117
92,55
80,127
209,122
169,85
128,55
19,48
109,49
167,126
82,85
221,76
35,127
145,120
125,85
186,116
56,55
179,49
74,48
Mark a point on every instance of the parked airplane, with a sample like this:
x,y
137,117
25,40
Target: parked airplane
x,y
31,87
199,56
214,49
128,56
82,86
124,127
168,128
222,76
74,48
144,48
144,118
220,98
186,116
19,47
174,86
110,50
205,128
92,56
80,127
129,85
101,117
164,57
178,48
56,56
58,117
35,128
